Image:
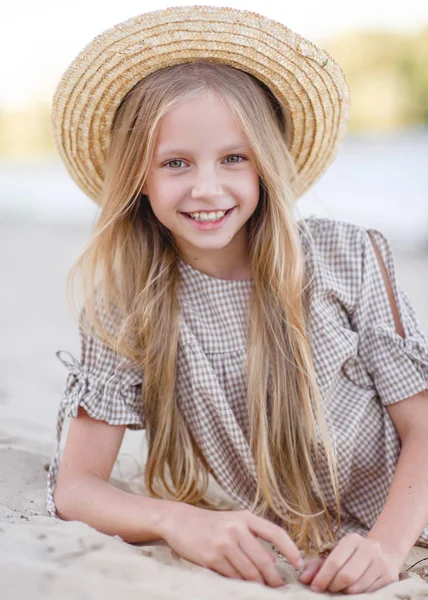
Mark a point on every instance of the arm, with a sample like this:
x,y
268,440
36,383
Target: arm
x,y
83,493
365,564
224,541
360,564
407,503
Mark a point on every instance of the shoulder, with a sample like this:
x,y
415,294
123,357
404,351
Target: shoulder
x,y
333,238
338,243
336,253
331,234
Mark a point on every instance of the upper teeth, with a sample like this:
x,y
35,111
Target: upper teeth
x,y
211,216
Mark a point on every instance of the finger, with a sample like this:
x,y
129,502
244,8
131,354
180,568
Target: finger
x,y
338,557
311,568
242,564
224,567
351,572
259,557
367,579
277,536
376,585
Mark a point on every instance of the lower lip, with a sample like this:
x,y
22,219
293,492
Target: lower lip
x,y
206,225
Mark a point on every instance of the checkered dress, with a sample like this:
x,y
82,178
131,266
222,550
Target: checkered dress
x,y
362,366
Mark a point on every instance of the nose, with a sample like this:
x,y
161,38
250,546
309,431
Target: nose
x,y
207,184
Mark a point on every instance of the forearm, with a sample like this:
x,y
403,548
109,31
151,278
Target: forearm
x,y
405,512
110,510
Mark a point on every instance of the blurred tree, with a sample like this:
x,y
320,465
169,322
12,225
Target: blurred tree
x,y
414,68
388,76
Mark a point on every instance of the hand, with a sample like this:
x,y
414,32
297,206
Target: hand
x,y
311,568
226,542
356,565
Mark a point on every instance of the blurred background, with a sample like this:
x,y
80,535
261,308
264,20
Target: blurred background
x,y
379,178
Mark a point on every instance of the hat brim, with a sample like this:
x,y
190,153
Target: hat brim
x,y
306,80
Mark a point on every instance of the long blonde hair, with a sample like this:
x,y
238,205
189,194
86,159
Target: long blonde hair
x,y
129,267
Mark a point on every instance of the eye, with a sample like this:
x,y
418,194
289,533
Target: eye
x,y
176,160
236,156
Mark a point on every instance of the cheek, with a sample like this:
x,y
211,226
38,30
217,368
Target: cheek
x,y
250,191
171,191
163,197
250,185
164,211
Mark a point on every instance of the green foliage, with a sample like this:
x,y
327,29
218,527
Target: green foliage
x,y
388,77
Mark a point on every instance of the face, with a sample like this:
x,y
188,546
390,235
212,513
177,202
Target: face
x,y
202,163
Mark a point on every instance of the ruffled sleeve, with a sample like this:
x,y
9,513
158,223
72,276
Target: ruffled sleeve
x,y
106,384
398,365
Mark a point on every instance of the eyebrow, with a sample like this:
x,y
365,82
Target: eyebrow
x,y
168,151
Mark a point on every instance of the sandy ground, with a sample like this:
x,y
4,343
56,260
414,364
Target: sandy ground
x,y
47,558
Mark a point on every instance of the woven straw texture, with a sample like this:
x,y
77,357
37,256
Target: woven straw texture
x,y
306,80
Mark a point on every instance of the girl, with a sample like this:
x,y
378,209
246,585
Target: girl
x,y
278,355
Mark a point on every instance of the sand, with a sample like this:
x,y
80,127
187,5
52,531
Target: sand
x,y
42,557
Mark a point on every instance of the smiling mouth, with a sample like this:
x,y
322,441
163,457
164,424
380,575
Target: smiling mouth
x,y
225,210
207,221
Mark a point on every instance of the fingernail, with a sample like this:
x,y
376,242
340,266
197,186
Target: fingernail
x,y
300,563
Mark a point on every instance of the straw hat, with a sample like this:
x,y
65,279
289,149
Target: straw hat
x,y
304,78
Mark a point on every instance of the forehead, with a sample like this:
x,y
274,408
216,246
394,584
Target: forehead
x,y
202,120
